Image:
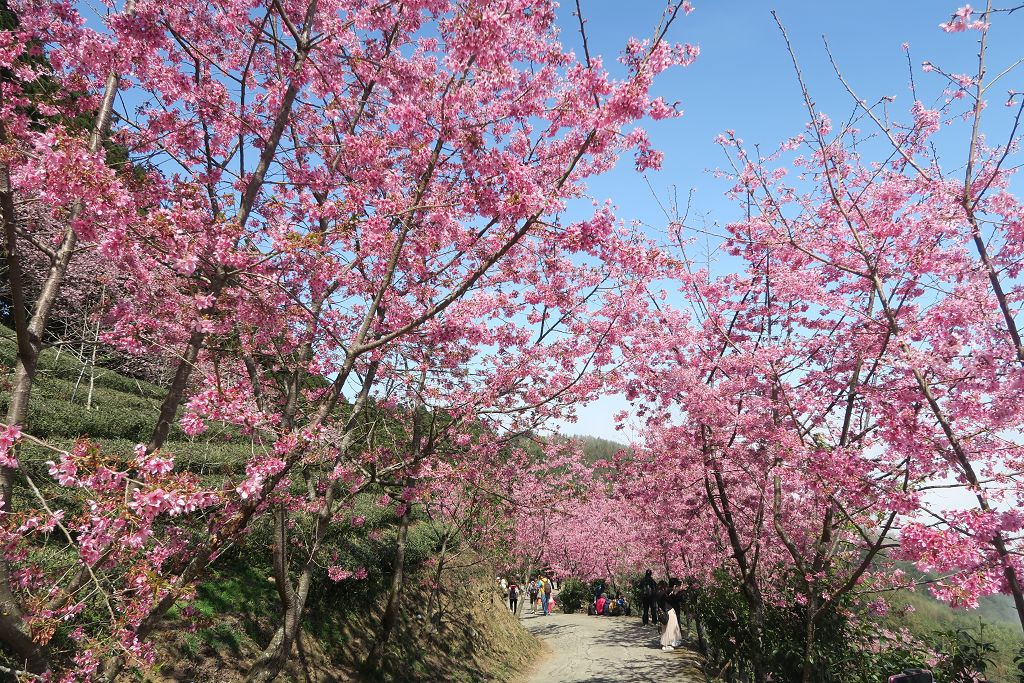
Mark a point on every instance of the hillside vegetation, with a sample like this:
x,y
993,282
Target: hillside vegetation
x,y
596,448
993,622
469,636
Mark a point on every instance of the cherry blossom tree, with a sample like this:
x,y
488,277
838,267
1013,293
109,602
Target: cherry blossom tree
x,y
860,352
337,197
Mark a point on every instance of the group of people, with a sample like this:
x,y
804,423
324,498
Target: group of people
x,y
662,600
661,603
610,606
540,590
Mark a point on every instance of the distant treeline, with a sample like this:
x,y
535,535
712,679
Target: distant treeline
x,y
595,448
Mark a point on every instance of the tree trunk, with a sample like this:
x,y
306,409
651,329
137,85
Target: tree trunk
x,y
748,587
808,665
275,655
92,368
435,590
13,630
169,406
702,642
390,618
756,650
293,601
220,536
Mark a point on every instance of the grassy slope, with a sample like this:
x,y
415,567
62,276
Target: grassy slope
x,y
475,641
995,621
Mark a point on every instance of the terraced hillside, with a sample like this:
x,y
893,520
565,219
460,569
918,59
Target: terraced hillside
x,y
236,610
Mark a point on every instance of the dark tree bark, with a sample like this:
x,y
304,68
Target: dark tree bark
x,y
390,619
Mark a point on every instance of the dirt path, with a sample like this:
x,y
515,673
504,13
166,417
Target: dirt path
x,y
606,650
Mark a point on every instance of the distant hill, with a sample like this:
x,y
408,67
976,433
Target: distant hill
x,y
995,620
998,609
595,448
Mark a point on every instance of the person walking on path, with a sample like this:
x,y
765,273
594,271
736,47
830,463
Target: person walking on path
x,y
513,597
545,591
672,636
593,649
649,596
533,595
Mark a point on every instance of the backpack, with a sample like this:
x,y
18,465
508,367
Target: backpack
x,y
547,587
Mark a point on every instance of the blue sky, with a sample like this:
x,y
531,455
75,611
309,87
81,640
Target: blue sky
x,y
744,80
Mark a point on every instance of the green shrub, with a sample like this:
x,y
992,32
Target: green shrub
x,y
849,647
573,594
964,656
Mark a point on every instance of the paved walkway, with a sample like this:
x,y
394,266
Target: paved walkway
x,y
606,650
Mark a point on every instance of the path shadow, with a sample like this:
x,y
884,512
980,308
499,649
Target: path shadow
x,y
550,630
629,633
